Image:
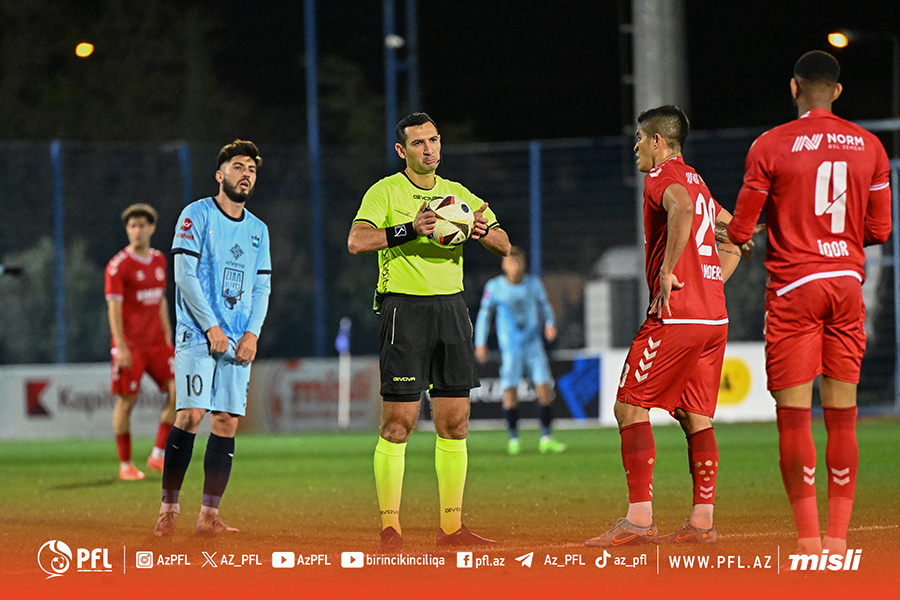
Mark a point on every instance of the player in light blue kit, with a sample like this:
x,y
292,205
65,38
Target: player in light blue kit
x,y
524,317
222,278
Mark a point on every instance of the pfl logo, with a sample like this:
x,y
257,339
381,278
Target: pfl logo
x,y
55,558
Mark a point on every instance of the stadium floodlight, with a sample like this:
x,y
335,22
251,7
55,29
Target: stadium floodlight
x,y
838,39
842,38
84,49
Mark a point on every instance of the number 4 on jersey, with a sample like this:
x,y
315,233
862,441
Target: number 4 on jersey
x,y
832,177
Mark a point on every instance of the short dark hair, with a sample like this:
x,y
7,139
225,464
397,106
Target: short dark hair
x,y
239,148
818,68
669,121
413,120
139,210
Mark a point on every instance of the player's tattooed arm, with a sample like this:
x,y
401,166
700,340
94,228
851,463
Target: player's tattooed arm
x,y
722,232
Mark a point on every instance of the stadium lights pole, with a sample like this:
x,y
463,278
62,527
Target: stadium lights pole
x,y
393,66
843,37
59,246
392,41
315,175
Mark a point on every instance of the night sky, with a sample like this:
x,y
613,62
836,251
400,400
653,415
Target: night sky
x,y
536,69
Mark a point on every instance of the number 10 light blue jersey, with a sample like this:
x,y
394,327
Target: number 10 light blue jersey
x,y
222,271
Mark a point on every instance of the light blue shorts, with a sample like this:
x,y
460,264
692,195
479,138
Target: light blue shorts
x,y
214,383
529,360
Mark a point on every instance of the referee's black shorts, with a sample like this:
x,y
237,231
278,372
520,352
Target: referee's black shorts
x,y
426,340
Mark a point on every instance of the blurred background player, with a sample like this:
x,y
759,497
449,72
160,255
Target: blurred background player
x,y
675,361
135,288
222,278
426,333
524,319
825,184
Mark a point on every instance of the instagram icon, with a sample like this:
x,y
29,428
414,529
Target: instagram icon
x,y
143,560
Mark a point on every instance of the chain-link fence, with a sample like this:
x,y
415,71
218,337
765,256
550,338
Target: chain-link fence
x,y
70,195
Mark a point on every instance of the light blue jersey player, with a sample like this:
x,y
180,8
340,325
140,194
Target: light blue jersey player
x,y
222,278
524,318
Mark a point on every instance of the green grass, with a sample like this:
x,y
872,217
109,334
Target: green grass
x,y
321,486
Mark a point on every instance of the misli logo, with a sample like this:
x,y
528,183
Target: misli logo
x,y
186,224
826,561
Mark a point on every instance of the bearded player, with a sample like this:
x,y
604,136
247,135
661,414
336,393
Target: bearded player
x,y
675,361
223,274
135,289
825,184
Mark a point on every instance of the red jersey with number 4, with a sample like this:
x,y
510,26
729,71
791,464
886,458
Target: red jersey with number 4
x,y
702,299
141,285
825,183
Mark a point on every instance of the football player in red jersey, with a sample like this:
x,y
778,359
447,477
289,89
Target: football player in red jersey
x,y
675,361
141,334
825,184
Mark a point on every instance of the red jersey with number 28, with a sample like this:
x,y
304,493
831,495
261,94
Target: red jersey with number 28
x,y
702,299
825,183
141,285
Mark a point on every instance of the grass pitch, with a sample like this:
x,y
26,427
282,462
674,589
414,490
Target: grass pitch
x,y
315,493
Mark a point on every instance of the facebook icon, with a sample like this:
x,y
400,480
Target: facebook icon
x,y
464,560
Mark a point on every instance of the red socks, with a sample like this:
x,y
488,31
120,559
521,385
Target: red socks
x,y
842,461
123,443
703,454
798,467
638,458
162,434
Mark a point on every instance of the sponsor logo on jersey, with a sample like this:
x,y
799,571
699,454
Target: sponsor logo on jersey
x,y
845,142
232,286
150,296
186,224
806,142
236,252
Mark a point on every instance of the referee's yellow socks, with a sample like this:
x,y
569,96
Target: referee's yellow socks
x,y
390,461
450,461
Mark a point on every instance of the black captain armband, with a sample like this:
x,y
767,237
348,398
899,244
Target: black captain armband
x,y
400,234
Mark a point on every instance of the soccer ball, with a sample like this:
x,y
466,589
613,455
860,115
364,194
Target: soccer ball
x,y
454,221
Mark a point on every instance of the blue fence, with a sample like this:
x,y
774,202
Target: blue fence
x,y
566,201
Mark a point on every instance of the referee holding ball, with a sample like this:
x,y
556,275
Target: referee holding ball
x,y
426,332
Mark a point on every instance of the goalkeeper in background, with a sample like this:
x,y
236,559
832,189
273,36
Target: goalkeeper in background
x,y
524,319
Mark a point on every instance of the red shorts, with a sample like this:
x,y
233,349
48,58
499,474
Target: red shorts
x,y
156,361
813,329
674,366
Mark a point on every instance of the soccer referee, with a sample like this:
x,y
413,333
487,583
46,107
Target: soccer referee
x,y
426,332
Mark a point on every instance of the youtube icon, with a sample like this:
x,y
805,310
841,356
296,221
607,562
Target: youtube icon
x,y
283,560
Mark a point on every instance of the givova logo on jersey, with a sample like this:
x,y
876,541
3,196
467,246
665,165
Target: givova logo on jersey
x,y
55,558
